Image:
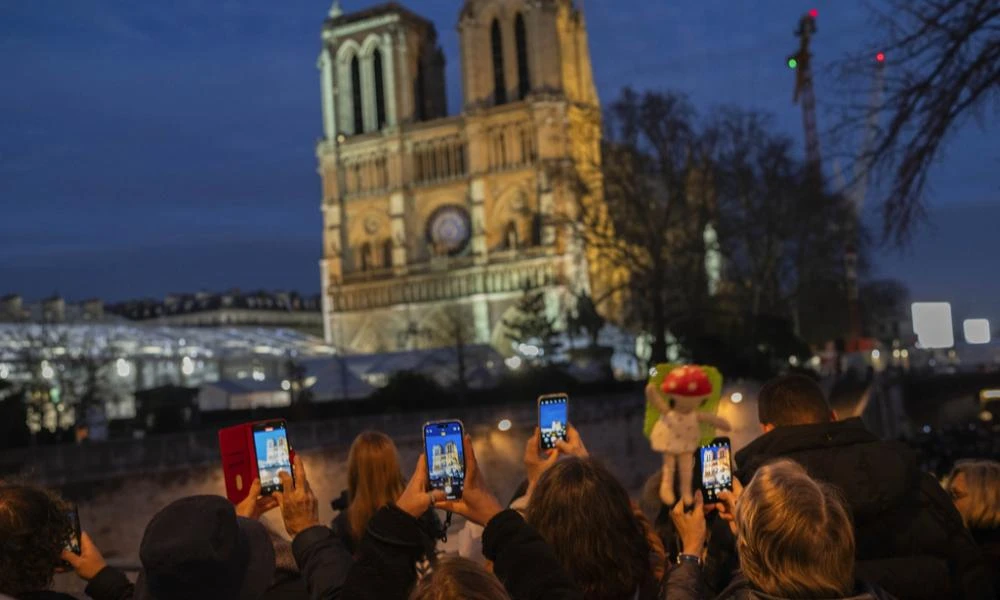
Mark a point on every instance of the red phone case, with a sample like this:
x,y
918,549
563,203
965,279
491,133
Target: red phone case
x,y
239,461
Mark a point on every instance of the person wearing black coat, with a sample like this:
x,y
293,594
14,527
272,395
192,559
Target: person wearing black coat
x,y
522,561
910,540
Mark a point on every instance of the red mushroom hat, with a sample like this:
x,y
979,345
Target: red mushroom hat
x,y
687,382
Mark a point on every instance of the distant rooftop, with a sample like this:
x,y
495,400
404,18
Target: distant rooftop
x,y
386,8
182,304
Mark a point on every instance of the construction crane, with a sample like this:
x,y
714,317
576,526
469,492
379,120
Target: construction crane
x,y
801,63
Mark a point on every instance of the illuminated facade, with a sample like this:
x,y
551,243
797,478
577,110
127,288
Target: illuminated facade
x,y
431,219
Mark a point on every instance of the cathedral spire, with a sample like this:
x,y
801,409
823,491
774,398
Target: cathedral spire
x,y
335,10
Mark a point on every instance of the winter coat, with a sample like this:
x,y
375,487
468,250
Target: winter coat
x,y
429,522
684,583
524,563
988,541
909,536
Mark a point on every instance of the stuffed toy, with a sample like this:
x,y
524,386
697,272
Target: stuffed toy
x,y
677,430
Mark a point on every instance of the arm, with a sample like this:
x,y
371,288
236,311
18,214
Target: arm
x,y
654,397
524,562
323,560
684,582
384,567
110,584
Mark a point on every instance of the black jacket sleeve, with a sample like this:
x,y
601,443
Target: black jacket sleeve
x,y
684,583
384,566
524,562
323,560
110,584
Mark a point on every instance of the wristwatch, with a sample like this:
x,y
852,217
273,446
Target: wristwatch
x,y
691,558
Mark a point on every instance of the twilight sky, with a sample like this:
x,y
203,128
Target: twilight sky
x,y
149,147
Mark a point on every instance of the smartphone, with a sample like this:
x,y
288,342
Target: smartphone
x,y
73,543
444,447
270,441
716,464
553,419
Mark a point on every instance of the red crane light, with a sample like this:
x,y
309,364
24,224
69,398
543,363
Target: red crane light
x,y
880,57
814,13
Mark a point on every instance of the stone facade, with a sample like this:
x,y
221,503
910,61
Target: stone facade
x,y
434,225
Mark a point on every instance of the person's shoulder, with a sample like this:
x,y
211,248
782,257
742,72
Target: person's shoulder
x,y
41,595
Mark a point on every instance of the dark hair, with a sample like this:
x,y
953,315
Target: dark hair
x,y
456,578
792,400
34,528
587,518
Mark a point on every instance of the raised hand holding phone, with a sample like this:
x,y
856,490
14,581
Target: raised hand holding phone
x,y
553,418
89,562
255,504
416,499
299,508
478,504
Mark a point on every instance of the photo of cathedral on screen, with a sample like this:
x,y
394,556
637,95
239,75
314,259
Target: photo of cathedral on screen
x,y
431,218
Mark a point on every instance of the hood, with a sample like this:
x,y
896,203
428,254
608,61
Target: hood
x,y
873,475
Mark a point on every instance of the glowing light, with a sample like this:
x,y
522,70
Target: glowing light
x,y
904,353
4,371
187,365
529,350
932,324
989,395
895,353
258,375
793,360
47,371
977,331
513,363
814,13
286,385
793,63
504,425
876,354
986,416
880,57
123,368
736,398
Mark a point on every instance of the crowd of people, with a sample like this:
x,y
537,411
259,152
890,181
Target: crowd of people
x,y
820,508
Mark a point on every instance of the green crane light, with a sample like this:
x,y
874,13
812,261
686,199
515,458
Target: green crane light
x,y
792,63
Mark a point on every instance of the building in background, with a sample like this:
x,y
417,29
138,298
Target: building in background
x,y
434,223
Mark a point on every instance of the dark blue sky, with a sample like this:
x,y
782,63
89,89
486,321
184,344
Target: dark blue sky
x,y
149,147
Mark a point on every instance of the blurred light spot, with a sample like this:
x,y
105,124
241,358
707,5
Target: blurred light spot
x,y
926,429
513,363
124,369
286,385
736,398
977,331
504,425
876,354
986,416
933,325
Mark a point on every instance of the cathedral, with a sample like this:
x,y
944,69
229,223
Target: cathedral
x,y
436,225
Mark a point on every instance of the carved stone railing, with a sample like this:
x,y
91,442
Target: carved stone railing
x,y
452,284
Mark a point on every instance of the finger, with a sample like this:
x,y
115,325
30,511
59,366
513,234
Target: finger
x,y
438,496
279,498
471,465
301,480
287,484
71,558
572,433
448,505
254,488
564,447
699,502
267,503
419,477
678,509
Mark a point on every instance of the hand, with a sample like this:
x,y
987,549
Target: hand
x,y
89,562
727,504
255,505
534,463
573,446
416,499
691,527
299,508
478,504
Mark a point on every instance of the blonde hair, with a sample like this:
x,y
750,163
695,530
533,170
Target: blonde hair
x,y
982,479
794,536
374,479
457,578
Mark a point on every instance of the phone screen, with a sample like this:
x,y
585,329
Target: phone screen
x,y
552,419
716,468
445,452
270,442
73,544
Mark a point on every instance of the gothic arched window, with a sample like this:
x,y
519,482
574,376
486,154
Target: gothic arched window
x,y
359,122
499,84
523,75
387,254
379,89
